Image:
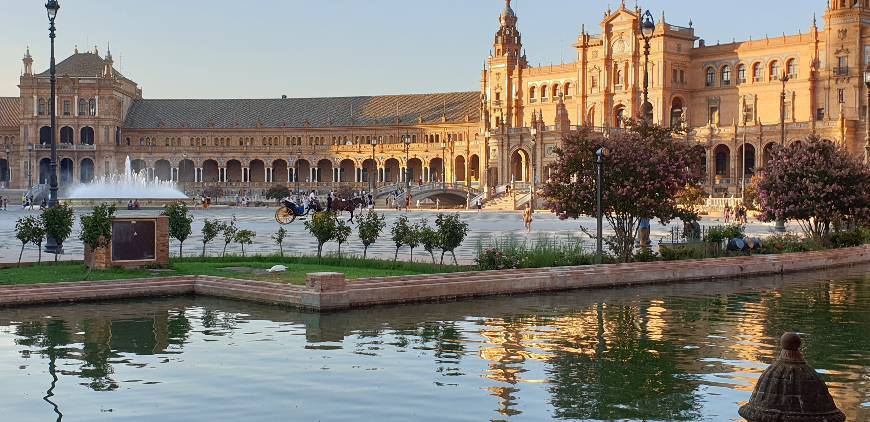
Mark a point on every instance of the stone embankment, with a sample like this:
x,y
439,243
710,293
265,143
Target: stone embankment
x,y
330,291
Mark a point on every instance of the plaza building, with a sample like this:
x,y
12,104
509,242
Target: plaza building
x,y
729,99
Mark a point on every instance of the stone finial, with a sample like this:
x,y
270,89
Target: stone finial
x,y
791,390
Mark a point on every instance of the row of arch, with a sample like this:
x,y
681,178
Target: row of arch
x,y
85,107
546,91
291,140
723,77
67,135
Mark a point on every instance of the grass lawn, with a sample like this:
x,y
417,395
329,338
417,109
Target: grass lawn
x,y
249,268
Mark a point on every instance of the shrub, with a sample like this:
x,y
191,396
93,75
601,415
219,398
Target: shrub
x,y
210,230
717,234
322,226
847,239
342,233
400,231
58,222
784,243
229,231
97,227
451,234
370,228
179,223
29,230
278,192
278,237
428,238
494,259
244,237
683,251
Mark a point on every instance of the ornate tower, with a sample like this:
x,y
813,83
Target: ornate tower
x,y
504,77
28,63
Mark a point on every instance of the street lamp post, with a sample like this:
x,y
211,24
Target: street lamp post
x,y
8,172
372,180
444,164
780,223
647,28
600,155
29,167
406,140
52,246
534,132
867,119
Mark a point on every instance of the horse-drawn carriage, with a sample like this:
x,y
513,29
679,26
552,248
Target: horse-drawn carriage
x,y
289,211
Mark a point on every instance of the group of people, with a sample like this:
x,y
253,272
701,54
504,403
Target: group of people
x,y
28,201
4,202
737,215
133,204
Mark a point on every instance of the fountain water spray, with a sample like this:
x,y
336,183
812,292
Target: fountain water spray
x,y
129,185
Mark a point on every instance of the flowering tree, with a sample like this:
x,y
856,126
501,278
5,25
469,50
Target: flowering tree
x,y
643,175
816,183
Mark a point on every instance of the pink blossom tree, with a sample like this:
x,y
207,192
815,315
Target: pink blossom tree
x,y
643,175
815,183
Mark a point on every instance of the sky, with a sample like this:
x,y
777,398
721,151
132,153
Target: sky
x,y
269,48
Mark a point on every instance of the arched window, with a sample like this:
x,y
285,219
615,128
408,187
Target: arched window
x,y
710,79
741,74
83,107
532,94
556,91
40,107
791,69
568,87
92,107
726,75
756,72
618,80
544,94
774,70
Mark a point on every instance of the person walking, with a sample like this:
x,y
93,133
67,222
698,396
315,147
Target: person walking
x,y
644,231
527,218
479,205
727,213
329,202
371,202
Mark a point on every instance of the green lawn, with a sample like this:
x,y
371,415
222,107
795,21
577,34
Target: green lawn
x,y
297,268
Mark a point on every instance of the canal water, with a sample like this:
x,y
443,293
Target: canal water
x,y
678,352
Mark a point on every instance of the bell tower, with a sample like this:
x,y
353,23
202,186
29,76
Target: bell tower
x,y
503,78
28,63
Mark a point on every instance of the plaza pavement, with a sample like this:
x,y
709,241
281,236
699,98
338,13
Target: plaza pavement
x,y
483,226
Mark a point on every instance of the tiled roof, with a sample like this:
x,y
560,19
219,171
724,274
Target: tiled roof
x,y
81,65
10,112
302,112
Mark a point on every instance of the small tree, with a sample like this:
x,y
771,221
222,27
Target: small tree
x,y
400,231
29,230
97,228
244,237
180,223
370,228
817,184
229,230
278,237
451,234
322,226
342,233
210,230
428,238
58,222
278,192
413,239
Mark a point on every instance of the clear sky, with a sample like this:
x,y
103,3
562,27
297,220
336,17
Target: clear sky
x,y
266,48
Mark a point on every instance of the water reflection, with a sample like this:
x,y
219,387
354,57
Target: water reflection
x,y
680,352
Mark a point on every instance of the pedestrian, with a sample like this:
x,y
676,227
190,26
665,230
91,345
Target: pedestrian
x,y
371,202
479,205
437,203
644,231
727,213
329,202
527,218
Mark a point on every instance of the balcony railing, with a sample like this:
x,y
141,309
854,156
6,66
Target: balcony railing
x,y
66,147
841,71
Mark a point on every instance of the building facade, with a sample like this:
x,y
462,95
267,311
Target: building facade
x,y
729,99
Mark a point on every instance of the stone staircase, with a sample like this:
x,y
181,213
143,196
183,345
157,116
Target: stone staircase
x,y
500,203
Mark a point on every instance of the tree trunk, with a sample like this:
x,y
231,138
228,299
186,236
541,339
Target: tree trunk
x,y
243,250
281,249
180,250
39,248
442,257
365,250
203,249
21,254
412,254
339,251
396,257
224,254
454,258
319,249
432,254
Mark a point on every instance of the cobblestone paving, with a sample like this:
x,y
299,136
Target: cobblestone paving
x,y
482,227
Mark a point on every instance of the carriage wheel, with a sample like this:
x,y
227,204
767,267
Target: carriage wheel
x,y
284,216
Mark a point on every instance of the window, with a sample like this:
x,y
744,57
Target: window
x,y
774,71
842,66
713,117
618,80
841,96
748,113
40,107
820,113
756,72
726,76
741,74
682,76
83,107
791,68
92,107
66,107
786,113
594,82
532,95
556,91
567,89
710,79
544,94
675,76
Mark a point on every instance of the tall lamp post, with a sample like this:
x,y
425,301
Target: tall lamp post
x,y
52,246
647,28
600,155
29,167
534,132
8,173
780,223
444,164
406,140
867,118
373,179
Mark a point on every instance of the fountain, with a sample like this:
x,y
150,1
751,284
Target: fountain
x,y
129,185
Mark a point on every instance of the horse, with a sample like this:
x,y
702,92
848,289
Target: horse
x,y
350,205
